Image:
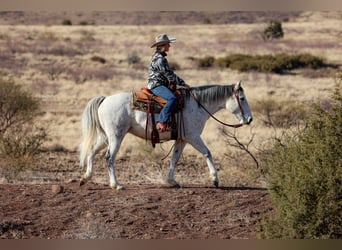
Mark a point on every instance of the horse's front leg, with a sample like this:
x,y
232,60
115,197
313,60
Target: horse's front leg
x,y
176,153
212,169
201,147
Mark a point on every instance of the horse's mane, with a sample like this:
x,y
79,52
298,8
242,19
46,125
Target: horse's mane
x,y
212,93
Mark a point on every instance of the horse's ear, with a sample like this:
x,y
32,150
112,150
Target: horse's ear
x,y
237,85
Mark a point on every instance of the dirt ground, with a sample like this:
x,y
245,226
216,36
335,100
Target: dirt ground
x,y
54,206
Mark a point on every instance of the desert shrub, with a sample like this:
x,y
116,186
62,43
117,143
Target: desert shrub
x,y
207,20
83,23
20,140
17,106
19,147
133,58
278,63
308,60
273,30
206,62
338,77
304,174
98,59
66,22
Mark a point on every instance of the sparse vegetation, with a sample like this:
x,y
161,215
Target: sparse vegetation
x,y
278,63
19,139
49,58
305,176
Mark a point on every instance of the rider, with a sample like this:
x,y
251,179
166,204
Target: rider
x,y
162,79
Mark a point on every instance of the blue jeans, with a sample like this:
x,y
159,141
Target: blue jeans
x,y
170,98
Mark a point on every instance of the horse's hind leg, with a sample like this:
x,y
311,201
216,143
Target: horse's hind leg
x,y
176,153
87,176
113,148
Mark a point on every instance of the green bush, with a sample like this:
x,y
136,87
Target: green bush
x,y
20,139
304,174
278,63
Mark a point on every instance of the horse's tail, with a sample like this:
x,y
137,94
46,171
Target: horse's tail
x,y
91,127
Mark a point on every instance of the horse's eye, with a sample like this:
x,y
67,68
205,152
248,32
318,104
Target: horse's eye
x,y
242,99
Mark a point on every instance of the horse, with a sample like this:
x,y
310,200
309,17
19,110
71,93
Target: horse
x,y
106,121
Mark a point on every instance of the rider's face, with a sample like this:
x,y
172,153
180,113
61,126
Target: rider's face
x,y
167,47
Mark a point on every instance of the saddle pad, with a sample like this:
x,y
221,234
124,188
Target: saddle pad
x,y
148,93
142,99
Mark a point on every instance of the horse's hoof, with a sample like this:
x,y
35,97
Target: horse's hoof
x,y
82,182
173,183
216,184
117,187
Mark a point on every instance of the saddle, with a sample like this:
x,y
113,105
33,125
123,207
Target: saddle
x,y
146,101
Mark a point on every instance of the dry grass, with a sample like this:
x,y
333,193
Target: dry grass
x,y
55,62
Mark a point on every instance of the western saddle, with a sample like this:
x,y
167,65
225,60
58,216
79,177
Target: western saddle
x,y
146,101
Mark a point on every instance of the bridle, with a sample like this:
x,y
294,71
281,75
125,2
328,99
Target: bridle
x,y
212,116
236,94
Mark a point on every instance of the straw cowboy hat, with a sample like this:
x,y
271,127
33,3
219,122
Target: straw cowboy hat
x,y
163,39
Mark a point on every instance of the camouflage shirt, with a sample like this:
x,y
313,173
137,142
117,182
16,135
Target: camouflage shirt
x,y
160,72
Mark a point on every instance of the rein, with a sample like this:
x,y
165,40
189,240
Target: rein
x,y
212,116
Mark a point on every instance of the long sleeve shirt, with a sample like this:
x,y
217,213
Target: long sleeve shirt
x,y
160,72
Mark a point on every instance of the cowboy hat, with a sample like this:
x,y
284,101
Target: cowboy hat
x,y
163,39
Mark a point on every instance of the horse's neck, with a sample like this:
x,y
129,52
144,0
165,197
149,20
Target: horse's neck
x,y
214,107
214,98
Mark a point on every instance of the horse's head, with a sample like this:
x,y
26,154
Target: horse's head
x,y
238,105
